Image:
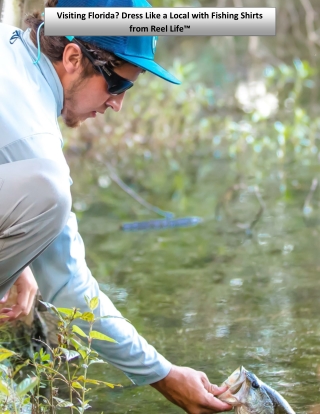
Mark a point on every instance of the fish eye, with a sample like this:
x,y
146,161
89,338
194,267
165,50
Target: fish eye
x,y
255,384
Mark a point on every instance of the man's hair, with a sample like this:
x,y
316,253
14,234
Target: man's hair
x,y
53,46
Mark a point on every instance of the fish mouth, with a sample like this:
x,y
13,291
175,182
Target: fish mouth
x,y
237,387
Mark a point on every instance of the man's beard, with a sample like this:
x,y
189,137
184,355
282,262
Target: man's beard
x,y
70,118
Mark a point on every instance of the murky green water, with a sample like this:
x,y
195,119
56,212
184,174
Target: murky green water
x,y
216,296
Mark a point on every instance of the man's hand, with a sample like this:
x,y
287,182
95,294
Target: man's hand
x,y
26,287
192,391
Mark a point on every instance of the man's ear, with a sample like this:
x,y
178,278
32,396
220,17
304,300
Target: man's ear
x,y
71,58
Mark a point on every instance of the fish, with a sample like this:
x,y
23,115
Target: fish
x,y
249,395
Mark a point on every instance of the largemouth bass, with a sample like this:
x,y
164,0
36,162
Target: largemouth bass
x,y
249,395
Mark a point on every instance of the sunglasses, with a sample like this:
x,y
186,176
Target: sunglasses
x,y
116,83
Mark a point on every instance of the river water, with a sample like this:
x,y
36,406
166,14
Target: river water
x,y
218,295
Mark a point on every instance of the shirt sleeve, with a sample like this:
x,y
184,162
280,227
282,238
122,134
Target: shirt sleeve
x,y
64,279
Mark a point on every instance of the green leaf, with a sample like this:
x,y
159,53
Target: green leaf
x,y
87,300
19,367
94,302
5,353
90,381
4,389
63,403
5,350
75,343
26,401
76,384
101,336
97,361
87,406
58,399
87,316
108,384
4,369
79,331
83,353
26,385
70,312
69,354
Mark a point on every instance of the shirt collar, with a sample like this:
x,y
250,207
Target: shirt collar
x,y
46,68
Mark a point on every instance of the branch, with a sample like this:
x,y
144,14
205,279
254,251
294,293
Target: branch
x,y
114,177
310,13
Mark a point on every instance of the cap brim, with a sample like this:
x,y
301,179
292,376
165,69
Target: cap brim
x,y
150,66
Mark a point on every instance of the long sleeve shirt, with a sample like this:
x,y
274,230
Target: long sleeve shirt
x,y
31,100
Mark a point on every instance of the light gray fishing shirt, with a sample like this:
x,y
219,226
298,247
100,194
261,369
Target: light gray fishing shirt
x,y
31,101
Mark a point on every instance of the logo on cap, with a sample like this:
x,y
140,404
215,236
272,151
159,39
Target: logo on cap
x,y
154,43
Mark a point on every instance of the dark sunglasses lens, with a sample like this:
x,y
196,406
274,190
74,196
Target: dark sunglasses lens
x,y
120,87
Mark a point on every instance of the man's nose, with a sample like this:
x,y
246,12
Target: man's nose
x,y
115,101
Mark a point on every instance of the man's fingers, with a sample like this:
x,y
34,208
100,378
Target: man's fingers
x,y
13,313
21,308
22,303
212,388
215,390
26,290
217,405
6,310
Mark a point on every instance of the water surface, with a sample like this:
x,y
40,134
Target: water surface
x,y
217,296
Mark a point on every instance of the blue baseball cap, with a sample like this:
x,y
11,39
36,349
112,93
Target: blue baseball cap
x,y
137,50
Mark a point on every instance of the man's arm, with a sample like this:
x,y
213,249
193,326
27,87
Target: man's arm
x,y
64,279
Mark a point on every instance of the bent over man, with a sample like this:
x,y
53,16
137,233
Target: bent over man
x,y
72,77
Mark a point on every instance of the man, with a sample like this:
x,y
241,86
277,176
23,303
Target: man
x,y
74,78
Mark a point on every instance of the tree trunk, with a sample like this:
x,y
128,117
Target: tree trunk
x,y
1,9
10,12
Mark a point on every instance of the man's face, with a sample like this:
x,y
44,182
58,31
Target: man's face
x,y
84,98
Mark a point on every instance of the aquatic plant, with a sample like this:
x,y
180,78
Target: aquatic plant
x,y
65,364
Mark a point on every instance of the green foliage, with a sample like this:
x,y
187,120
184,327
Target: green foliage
x,y
169,138
68,364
